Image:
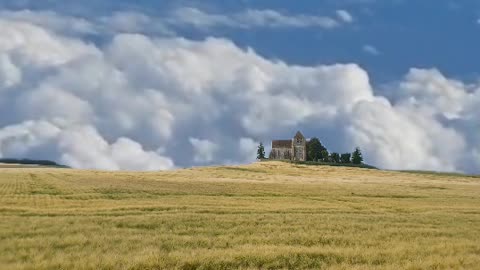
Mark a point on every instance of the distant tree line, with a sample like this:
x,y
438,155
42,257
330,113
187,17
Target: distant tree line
x,y
29,162
319,153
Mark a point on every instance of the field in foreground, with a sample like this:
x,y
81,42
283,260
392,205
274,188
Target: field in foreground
x,y
266,215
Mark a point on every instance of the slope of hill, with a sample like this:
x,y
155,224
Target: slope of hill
x,y
265,215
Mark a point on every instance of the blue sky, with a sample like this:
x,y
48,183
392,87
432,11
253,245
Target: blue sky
x,y
441,34
187,83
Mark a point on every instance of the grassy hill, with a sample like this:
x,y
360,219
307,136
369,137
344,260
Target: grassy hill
x,y
266,215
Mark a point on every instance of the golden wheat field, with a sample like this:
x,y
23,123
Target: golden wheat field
x,y
268,215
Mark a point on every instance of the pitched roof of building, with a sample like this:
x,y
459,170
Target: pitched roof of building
x,y
282,144
299,135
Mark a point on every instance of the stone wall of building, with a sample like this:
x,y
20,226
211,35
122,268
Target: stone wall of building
x,y
294,149
281,153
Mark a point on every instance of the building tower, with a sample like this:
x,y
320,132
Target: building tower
x,y
299,147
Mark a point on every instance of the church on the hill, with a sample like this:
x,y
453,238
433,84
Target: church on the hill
x,y
293,149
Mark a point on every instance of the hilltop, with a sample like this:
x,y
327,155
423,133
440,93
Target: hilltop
x,y
264,215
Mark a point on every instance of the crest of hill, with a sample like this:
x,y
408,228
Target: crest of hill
x,y
298,173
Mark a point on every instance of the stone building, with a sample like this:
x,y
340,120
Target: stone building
x,y
293,149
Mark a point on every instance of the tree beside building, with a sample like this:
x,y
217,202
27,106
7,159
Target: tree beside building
x,y
261,152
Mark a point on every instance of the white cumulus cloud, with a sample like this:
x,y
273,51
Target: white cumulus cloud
x,y
204,150
83,147
149,102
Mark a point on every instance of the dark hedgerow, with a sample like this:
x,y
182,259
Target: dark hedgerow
x,y
48,163
319,163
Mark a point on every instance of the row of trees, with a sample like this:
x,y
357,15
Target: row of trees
x,y
319,153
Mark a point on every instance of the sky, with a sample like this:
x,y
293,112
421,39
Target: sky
x,y
156,85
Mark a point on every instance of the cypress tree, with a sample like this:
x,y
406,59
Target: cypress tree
x,y
357,157
261,152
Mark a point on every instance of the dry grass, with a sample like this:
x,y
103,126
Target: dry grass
x,y
268,215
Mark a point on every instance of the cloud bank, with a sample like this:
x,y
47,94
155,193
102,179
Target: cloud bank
x,y
139,102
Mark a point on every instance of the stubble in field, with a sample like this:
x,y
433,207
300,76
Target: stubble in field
x,y
266,215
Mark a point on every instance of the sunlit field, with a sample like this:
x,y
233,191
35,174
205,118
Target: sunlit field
x,y
269,215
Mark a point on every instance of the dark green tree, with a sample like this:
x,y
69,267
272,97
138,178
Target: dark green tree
x,y
314,149
357,157
335,157
261,152
325,157
346,158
